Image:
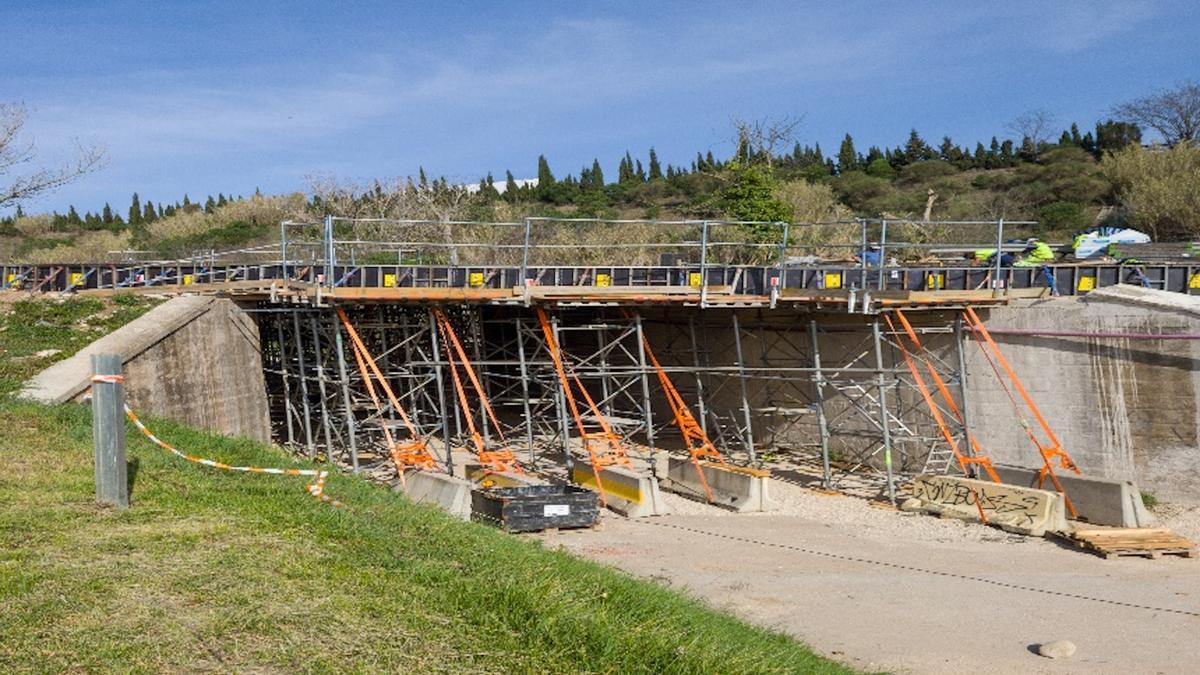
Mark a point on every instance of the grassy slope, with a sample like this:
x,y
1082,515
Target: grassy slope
x,y
216,571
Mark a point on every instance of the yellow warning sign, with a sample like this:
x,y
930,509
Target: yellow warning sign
x,y
1194,281
833,280
695,279
1086,284
475,279
603,280
76,278
935,282
389,281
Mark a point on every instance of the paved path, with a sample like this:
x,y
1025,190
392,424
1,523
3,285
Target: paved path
x,y
899,619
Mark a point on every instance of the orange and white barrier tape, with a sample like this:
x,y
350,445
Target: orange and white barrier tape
x,y
316,488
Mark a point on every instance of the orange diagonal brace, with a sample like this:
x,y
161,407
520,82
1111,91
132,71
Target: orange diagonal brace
x,y
945,393
1055,448
498,461
963,461
604,448
415,452
698,443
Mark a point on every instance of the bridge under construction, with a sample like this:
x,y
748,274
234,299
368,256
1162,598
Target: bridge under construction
x,y
706,359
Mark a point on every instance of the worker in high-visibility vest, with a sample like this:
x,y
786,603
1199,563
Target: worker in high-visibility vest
x,y
1036,253
986,257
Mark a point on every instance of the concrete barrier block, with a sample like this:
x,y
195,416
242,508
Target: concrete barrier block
x,y
1010,507
733,487
482,478
443,490
628,491
1101,501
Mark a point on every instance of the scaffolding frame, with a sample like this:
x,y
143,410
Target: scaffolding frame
x,y
824,399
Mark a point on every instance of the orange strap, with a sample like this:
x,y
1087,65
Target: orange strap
x,y
698,443
1056,450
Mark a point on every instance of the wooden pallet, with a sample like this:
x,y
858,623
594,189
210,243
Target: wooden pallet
x,y
1146,542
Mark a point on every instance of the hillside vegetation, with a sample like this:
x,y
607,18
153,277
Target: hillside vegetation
x,y
1100,178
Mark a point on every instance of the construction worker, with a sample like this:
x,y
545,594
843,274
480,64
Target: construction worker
x,y
872,257
1037,252
986,257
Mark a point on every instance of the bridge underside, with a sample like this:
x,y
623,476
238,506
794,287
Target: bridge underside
x,y
821,396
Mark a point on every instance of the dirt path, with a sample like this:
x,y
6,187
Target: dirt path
x,y
904,593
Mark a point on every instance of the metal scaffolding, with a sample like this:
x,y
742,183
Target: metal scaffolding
x,y
824,399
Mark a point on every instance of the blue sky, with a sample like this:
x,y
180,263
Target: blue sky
x,y
228,96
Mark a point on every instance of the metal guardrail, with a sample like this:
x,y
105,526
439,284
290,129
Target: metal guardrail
x,y
756,258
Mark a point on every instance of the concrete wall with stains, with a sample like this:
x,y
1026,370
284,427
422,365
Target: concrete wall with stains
x,y
1123,408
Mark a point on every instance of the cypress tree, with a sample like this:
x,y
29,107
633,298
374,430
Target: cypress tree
x,y
73,216
655,168
210,205
510,187
106,217
135,210
640,174
847,159
597,174
148,213
545,176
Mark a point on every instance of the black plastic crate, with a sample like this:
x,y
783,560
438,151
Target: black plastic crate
x,y
536,507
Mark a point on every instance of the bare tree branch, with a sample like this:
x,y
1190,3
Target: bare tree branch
x,y
765,136
14,152
1033,125
1173,113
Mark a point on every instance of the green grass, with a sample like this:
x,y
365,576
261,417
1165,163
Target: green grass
x,y
216,571
65,324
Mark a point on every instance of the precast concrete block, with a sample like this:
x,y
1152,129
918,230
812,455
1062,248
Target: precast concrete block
x,y
1100,501
1009,507
439,489
630,492
738,488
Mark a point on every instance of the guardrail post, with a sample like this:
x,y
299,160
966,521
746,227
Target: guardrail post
x,y
999,254
778,285
525,258
108,431
704,264
329,251
882,254
283,249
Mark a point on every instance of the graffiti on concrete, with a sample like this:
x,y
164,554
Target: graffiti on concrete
x,y
1015,505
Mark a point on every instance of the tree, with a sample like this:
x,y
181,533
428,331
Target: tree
x,y
1173,113
15,151
916,149
149,215
1034,125
847,157
764,137
1112,135
106,215
135,210
655,167
750,195
597,174
1158,189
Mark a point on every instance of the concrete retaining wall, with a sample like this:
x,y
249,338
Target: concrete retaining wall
x,y
195,359
1125,409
